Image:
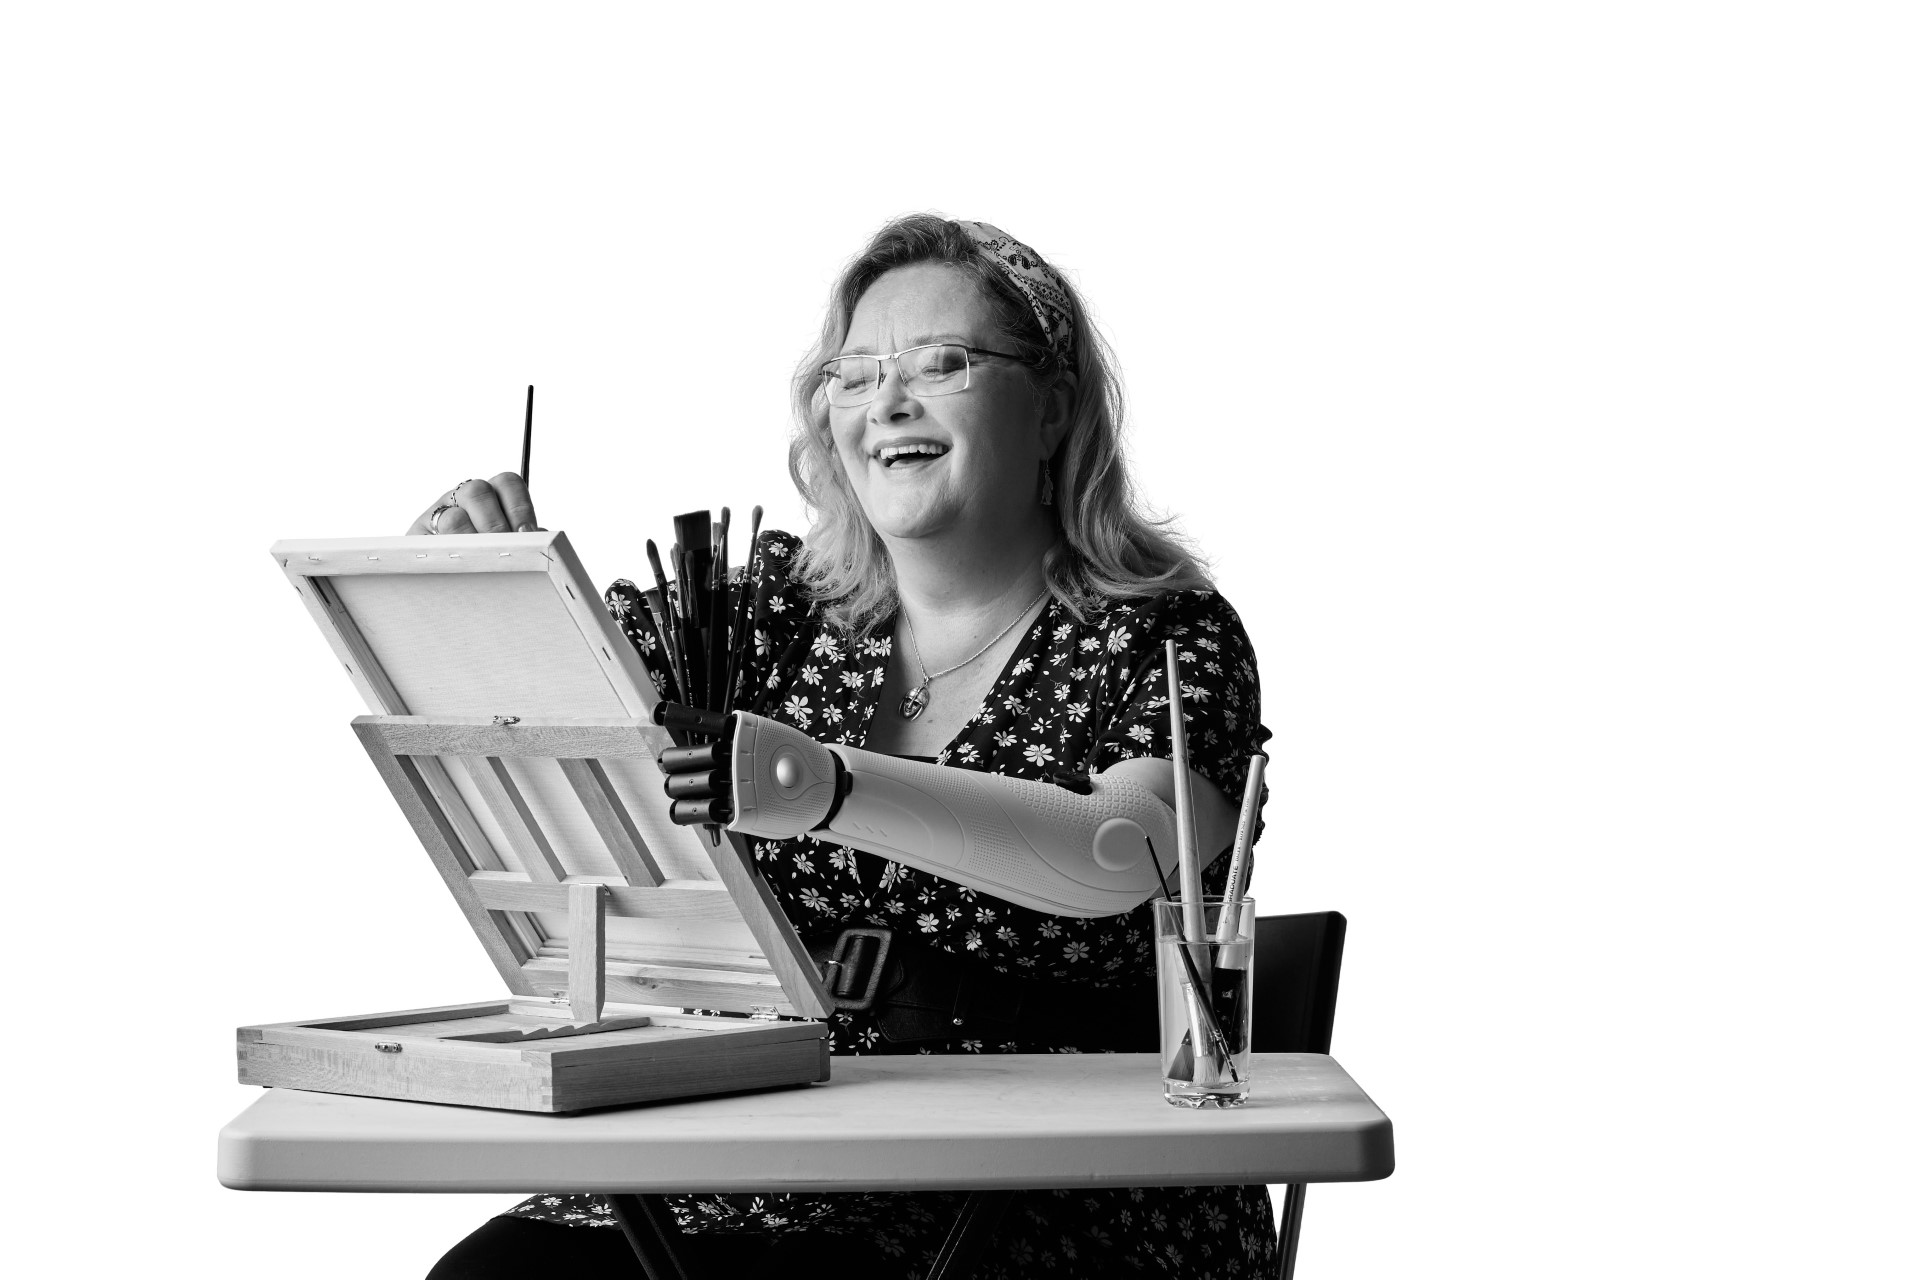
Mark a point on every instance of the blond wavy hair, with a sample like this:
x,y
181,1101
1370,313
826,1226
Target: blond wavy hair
x,y
1109,546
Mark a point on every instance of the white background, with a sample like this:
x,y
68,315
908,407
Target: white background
x,y
1540,378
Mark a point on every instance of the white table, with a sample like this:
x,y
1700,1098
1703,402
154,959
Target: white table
x,y
953,1122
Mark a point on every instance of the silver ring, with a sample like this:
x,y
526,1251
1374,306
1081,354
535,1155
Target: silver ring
x,y
447,504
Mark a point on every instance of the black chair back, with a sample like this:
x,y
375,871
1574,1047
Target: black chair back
x,y
1296,980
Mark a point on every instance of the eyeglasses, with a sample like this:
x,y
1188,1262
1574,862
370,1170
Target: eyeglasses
x,y
935,369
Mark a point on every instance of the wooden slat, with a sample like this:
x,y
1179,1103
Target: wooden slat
x,y
551,1031
440,839
786,954
509,808
473,837
633,983
402,1017
474,845
671,900
611,819
586,950
551,1011
481,854
744,962
605,739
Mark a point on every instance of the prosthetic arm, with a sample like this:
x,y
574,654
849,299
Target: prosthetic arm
x,y
1055,848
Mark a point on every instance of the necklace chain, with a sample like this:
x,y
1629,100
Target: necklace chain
x,y
915,700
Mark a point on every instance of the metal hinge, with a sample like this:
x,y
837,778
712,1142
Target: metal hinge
x,y
765,1013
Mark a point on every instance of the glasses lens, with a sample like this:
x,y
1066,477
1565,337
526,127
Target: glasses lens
x,y
851,379
934,371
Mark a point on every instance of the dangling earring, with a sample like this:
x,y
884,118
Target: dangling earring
x,y
1046,485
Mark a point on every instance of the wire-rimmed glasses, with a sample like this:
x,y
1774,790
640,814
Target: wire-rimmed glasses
x,y
931,369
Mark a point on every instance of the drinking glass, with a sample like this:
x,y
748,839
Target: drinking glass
x,y
1206,999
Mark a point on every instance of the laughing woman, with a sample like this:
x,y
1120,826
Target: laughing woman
x,y
979,590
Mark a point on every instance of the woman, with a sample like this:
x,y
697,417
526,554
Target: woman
x,y
979,589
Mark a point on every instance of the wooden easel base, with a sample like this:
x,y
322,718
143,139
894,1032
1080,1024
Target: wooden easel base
x,y
452,1054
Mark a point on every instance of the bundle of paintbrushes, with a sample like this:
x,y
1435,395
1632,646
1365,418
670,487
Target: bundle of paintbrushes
x,y
702,626
1212,970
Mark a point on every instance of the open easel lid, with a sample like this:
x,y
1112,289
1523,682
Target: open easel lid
x,y
513,721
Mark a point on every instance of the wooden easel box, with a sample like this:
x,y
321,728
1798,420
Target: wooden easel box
x,y
512,723
411,1055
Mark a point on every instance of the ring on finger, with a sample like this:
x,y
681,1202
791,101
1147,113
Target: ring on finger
x,y
433,517
447,504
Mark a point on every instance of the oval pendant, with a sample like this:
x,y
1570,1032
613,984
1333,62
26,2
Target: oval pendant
x,y
915,701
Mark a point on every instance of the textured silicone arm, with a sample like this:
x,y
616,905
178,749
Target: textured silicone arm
x,y
1032,843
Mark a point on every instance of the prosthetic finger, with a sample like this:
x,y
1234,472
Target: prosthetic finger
x,y
698,777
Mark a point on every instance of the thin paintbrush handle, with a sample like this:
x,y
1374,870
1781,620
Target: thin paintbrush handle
x,y
659,573
1201,1018
662,614
690,647
717,615
722,611
743,618
669,620
1193,912
526,442
1242,846
671,691
686,596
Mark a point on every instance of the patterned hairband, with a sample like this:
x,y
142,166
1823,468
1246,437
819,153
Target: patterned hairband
x,y
1037,282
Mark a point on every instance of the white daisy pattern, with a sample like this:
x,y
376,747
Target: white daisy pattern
x,y
1106,676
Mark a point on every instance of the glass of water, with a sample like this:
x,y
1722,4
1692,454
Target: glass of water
x,y
1204,954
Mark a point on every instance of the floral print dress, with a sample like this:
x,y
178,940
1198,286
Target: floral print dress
x,y
1074,697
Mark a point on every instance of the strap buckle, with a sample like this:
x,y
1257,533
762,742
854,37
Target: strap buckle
x,y
858,965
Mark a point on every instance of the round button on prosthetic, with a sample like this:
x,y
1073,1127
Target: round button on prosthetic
x,y
1119,844
788,772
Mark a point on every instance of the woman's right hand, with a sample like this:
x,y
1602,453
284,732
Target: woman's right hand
x,y
499,505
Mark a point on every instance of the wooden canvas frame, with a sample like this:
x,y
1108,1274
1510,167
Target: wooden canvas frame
x,y
512,723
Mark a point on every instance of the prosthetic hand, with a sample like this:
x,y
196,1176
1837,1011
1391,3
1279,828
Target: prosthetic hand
x,y
1058,849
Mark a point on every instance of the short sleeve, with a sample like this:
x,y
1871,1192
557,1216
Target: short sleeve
x,y
1219,688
